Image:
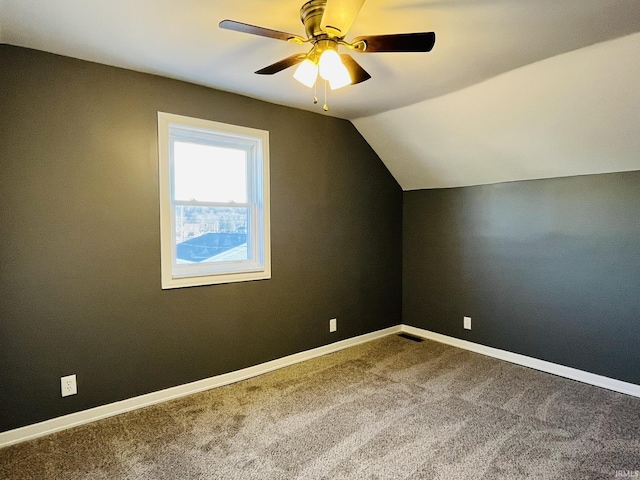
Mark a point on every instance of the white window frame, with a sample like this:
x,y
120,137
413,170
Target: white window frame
x,y
255,143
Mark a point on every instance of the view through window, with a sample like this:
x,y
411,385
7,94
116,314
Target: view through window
x,y
205,175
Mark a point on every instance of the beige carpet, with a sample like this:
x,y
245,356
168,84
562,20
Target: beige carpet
x,y
389,409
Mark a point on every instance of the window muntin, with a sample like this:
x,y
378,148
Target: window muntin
x,y
214,200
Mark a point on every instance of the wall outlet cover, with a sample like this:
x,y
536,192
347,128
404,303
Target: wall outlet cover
x,y
333,325
68,385
467,323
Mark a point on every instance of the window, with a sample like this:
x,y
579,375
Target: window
x,y
214,202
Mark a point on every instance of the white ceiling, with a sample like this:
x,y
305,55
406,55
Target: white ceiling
x,y
513,89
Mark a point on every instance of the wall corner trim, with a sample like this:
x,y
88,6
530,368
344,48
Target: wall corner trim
x,y
530,362
47,427
57,424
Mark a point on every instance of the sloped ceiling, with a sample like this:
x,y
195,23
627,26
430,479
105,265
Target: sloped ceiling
x,y
576,113
513,89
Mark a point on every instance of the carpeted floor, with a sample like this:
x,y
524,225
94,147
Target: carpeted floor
x,y
388,409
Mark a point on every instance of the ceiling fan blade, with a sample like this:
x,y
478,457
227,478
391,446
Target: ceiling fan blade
x,y
401,42
339,15
357,73
282,64
260,31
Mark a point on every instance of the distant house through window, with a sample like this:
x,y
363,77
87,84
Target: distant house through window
x,y
214,202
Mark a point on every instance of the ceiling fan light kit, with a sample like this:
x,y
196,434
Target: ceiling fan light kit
x,y
326,23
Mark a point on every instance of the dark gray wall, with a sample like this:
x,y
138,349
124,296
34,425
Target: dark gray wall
x,y
545,268
80,254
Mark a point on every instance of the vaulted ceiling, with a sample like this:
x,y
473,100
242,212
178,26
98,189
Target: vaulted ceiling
x,y
513,89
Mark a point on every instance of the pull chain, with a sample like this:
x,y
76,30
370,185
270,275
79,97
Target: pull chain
x,y
325,107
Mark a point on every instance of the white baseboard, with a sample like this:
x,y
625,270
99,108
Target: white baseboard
x,y
86,416
542,365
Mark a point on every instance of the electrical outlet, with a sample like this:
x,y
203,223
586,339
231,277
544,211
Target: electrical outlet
x,y
467,323
333,324
68,385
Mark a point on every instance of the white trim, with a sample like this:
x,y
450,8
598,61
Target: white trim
x,y
255,143
542,365
87,416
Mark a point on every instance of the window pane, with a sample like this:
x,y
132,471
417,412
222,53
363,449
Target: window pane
x,y
209,174
211,234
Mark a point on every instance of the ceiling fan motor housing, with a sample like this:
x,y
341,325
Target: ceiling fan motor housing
x,y
311,16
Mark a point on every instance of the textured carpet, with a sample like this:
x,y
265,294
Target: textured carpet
x,y
388,409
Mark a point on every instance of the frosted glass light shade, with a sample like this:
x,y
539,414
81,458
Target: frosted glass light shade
x,y
332,69
329,63
340,78
306,73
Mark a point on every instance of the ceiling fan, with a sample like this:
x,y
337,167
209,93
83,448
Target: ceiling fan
x,y
326,23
